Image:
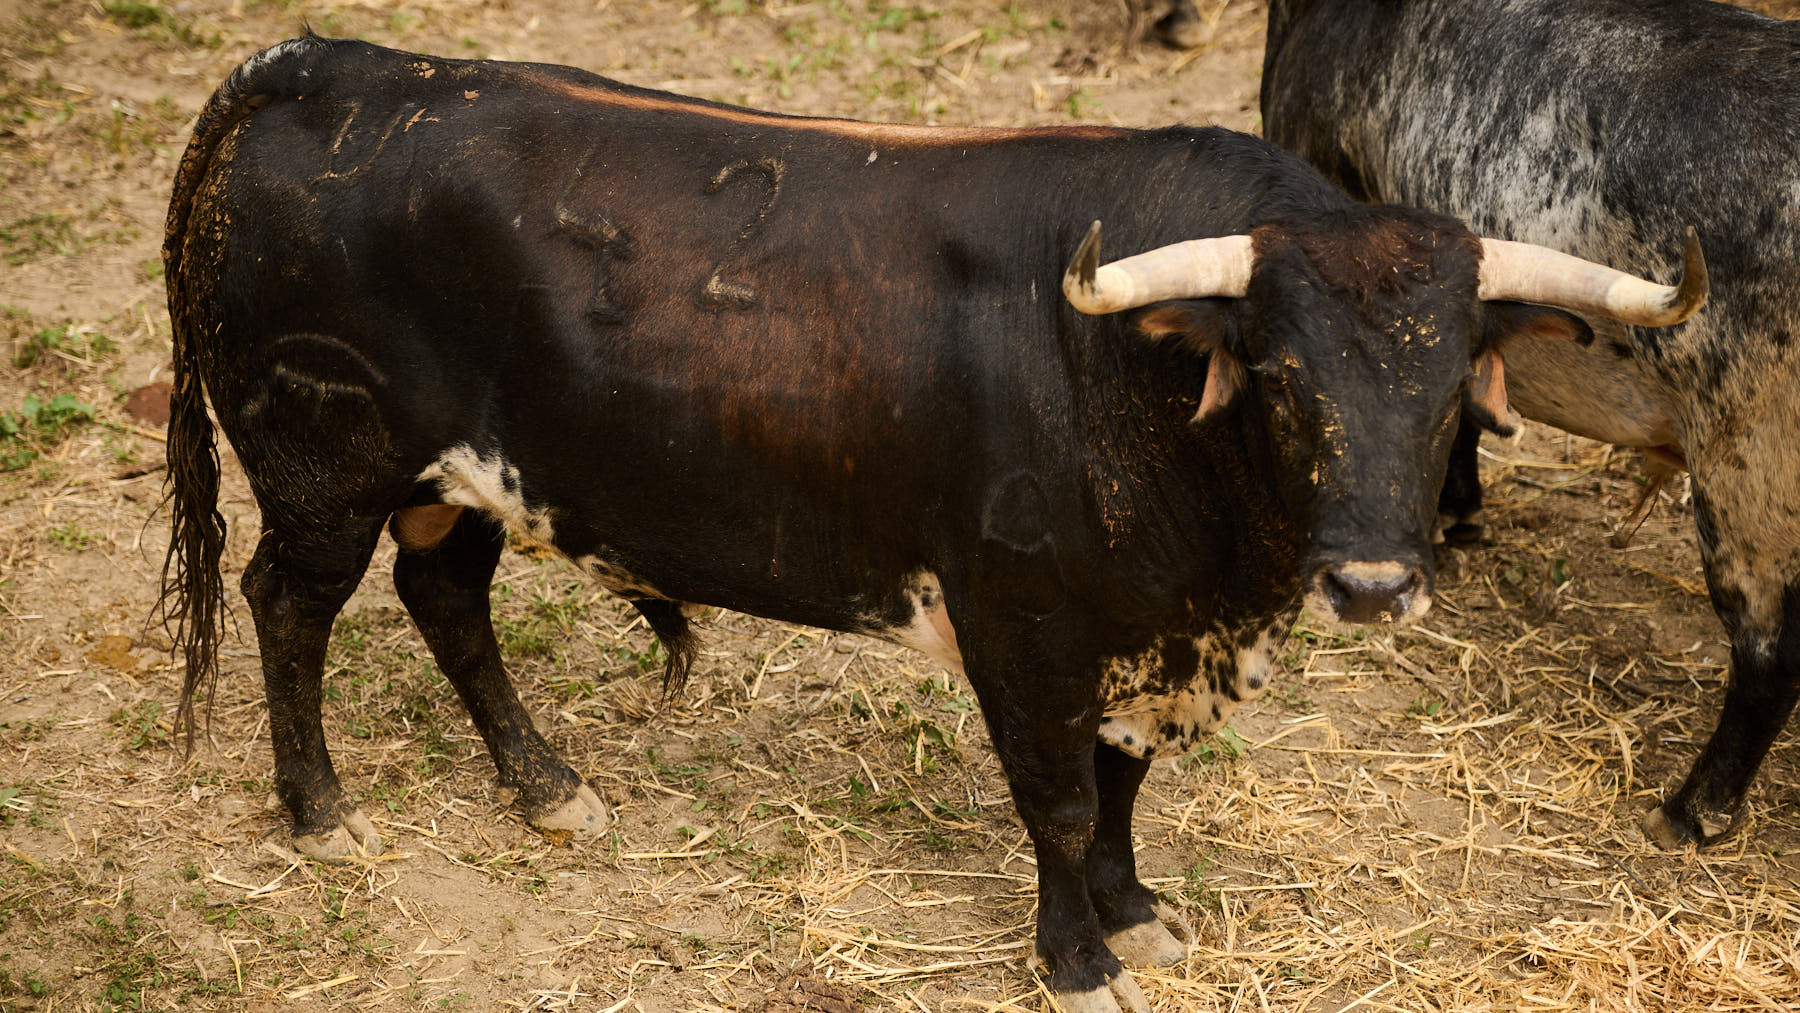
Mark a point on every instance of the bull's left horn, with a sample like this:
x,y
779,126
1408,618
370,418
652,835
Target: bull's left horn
x,y
1536,274
1196,269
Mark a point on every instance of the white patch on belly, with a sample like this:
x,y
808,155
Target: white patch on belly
x,y
1153,721
930,631
491,485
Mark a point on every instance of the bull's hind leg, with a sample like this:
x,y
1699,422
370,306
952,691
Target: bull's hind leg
x,y
445,587
1130,915
296,585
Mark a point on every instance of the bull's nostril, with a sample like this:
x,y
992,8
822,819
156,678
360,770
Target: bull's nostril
x,y
1361,592
1341,598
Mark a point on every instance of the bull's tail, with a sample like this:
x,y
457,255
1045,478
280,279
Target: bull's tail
x,y
671,627
193,591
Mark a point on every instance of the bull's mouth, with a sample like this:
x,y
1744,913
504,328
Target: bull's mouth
x,y
1363,591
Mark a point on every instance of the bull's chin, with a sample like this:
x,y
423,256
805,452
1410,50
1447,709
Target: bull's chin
x,y
1369,593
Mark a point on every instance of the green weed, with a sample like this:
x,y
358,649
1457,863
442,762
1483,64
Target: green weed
x,y
25,434
25,239
152,21
1226,745
141,723
73,538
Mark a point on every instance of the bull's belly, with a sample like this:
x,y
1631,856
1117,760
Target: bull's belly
x,y
1163,702
799,583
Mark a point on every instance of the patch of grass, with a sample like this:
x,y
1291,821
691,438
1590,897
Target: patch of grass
x,y
128,130
141,724
74,538
152,21
12,804
25,239
80,342
1080,103
32,730
1224,746
37,425
1424,706
132,13
29,983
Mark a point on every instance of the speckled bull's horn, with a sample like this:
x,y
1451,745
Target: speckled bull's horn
x,y
1536,274
1196,269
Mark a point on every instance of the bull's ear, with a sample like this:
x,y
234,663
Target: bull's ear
x,y
1484,400
1508,320
1204,327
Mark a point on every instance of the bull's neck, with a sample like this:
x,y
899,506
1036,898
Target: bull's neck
x,y
1193,501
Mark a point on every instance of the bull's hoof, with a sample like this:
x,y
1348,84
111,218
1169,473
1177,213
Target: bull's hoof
x,y
583,816
1671,832
354,837
1147,944
1182,28
1463,529
1120,995
1170,916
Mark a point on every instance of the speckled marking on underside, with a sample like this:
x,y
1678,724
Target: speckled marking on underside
x,y
1161,703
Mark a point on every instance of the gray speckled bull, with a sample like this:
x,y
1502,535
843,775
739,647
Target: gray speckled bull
x,y
1601,128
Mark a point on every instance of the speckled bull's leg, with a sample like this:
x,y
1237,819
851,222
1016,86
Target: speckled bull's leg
x,y
445,588
1761,694
296,585
1131,918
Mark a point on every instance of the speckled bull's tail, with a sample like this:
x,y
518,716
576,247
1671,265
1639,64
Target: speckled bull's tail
x,y
193,591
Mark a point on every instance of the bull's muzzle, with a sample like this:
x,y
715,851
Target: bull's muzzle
x,y
1370,592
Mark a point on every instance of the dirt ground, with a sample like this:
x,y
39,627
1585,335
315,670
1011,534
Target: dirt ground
x,y
1437,818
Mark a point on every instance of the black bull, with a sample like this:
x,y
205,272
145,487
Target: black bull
x,y
813,370
1599,128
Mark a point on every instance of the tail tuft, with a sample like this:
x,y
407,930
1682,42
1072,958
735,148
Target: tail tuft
x,y
676,635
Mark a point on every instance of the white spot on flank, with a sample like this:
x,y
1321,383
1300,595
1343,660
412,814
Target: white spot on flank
x,y
872,156
930,631
491,485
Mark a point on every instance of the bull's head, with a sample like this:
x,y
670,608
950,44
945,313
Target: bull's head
x,y
1350,341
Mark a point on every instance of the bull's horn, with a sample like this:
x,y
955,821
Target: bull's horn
x,y
1536,274
1196,269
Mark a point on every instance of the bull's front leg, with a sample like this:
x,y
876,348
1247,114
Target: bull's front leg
x,y
1043,727
1132,919
1459,504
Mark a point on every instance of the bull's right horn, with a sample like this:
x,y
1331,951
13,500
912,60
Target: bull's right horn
x,y
1523,272
1195,269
